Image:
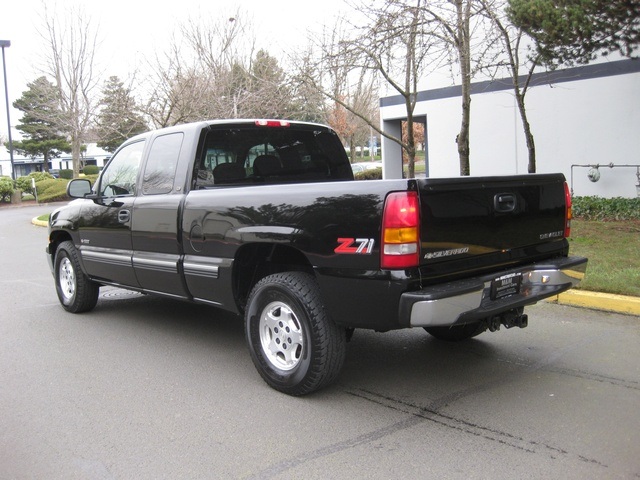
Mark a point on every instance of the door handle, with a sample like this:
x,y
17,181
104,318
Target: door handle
x,y
124,216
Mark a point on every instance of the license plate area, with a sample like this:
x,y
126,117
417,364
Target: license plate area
x,y
506,285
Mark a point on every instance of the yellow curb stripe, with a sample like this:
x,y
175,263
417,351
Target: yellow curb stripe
x,y
600,301
39,223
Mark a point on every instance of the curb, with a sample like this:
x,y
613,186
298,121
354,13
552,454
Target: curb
x,y
39,223
599,301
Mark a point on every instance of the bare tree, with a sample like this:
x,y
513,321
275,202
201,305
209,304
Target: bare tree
x,y
211,71
72,42
513,40
391,48
180,91
308,102
222,49
461,27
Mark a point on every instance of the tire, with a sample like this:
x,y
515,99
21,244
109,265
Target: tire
x,y
458,332
295,346
75,291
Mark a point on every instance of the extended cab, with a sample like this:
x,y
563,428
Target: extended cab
x,y
263,219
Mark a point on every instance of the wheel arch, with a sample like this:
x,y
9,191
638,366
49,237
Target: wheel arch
x,y
56,237
255,261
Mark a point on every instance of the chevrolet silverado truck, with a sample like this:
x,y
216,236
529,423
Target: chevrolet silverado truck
x,y
263,218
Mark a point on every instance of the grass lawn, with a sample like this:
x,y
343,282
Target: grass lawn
x,y
613,249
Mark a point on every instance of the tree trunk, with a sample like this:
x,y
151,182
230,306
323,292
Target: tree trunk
x,y
411,162
463,46
531,147
76,145
463,137
352,149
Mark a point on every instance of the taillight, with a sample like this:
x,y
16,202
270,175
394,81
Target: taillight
x,y
568,214
272,123
400,231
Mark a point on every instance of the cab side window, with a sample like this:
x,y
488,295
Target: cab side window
x,y
160,170
119,176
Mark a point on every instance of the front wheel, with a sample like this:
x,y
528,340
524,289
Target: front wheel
x,y
295,346
75,291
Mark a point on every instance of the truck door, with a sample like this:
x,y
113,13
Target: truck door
x,y
105,231
155,233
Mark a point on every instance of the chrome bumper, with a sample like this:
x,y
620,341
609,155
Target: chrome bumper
x,y
469,300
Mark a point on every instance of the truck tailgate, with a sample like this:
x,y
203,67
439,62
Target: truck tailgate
x,y
481,224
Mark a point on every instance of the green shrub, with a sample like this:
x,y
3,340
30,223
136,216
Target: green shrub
x,y
39,176
66,174
373,174
597,208
6,189
24,184
52,190
91,170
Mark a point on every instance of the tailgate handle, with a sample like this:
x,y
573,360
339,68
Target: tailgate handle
x,y
504,202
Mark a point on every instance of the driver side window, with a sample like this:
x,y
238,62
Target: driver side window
x,y
119,176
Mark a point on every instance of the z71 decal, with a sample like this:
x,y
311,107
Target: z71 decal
x,y
355,246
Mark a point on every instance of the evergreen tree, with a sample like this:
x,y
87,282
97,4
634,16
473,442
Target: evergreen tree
x,y
576,31
41,110
119,118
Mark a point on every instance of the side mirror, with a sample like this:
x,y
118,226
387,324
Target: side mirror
x,y
79,188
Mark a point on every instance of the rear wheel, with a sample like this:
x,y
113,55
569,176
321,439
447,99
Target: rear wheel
x,y
295,346
457,333
75,291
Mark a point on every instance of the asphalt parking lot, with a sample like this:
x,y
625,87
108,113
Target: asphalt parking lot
x,y
152,388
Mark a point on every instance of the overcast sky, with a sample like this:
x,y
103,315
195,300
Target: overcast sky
x,y
135,30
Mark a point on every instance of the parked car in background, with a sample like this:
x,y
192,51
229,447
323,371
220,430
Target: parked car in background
x,y
362,166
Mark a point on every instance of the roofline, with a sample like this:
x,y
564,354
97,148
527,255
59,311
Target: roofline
x,y
573,74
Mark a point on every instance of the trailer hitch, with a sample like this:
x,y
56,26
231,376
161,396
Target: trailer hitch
x,y
510,318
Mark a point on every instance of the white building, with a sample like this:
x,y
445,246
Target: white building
x,y
25,165
587,115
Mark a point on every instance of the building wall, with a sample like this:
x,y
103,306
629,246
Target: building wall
x,y
586,115
25,165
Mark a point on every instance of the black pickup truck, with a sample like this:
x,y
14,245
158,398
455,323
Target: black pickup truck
x,y
263,218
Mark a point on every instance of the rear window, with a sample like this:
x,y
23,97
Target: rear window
x,y
257,155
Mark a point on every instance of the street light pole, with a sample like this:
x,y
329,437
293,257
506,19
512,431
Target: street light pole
x,y
7,44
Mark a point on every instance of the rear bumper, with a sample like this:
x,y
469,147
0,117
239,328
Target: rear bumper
x,y
469,300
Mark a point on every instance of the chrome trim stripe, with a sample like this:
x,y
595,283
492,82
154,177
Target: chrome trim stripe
x,y
115,257
199,266
199,270
209,302
158,264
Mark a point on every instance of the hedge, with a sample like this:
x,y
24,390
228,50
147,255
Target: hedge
x,y
24,183
373,174
91,170
52,190
6,189
597,208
